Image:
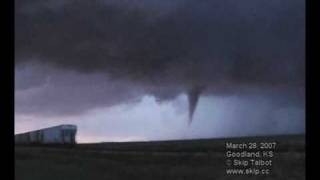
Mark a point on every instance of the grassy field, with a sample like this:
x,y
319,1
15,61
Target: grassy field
x,y
165,160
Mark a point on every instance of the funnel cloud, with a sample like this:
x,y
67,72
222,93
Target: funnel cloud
x,y
76,56
193,98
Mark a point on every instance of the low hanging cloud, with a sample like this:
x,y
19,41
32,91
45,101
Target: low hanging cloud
x,y
53,92
163,48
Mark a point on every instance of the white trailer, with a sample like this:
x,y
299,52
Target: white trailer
x,y
62,134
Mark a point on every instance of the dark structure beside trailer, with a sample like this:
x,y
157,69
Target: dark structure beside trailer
x,y
62,134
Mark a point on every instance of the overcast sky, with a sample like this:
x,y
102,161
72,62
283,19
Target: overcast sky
x,y
153,70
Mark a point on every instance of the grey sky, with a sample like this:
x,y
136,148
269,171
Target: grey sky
x,y
75,57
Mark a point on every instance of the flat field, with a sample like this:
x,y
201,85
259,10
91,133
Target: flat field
x,y
159,160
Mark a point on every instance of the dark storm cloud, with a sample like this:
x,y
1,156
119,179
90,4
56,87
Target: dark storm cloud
x,y
169,47
206,42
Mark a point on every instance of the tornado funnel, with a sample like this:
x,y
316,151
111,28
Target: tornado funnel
x,y
193,98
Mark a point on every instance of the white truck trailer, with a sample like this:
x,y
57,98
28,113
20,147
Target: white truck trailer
x,y
62,134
